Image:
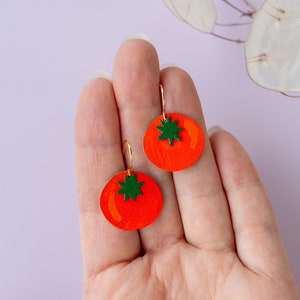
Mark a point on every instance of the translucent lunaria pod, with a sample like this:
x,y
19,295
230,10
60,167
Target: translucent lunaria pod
x,y
200,14
272,48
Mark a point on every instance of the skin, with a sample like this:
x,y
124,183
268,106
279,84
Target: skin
x,y
216,236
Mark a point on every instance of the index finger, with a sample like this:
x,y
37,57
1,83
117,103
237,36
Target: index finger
x,y
202,203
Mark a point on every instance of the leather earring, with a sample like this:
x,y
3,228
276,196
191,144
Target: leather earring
x,y
173,141
130,200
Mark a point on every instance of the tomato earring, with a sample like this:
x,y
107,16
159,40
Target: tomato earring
x,y
130,200
173,141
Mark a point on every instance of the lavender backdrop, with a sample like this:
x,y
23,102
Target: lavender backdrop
x,y
48,50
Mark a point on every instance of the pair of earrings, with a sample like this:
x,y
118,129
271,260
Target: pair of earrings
x,y
172,142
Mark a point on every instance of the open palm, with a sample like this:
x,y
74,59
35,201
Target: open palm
x,y
216,236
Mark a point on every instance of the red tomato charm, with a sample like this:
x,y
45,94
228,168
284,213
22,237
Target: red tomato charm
x,y
173,143
131,202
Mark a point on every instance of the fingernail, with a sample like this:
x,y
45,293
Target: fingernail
x,y
214,129
100,74
167,65
137,35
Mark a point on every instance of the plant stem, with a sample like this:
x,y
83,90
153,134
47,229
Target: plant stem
x,y
233,24
250,5
247,14
238,41
289,95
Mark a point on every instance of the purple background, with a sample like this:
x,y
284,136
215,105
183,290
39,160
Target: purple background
x,y
48,50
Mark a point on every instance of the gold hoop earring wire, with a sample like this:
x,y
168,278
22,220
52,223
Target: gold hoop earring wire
x,y
127,145
163,102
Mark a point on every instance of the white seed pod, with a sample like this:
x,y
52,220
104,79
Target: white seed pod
x,y
272,48
200,14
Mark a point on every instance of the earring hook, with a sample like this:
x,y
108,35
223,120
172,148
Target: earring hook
x,y
163,102
126,143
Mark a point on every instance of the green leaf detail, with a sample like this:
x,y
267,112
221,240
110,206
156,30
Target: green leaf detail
x,y
169,130
130,187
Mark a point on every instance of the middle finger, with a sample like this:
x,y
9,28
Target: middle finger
x,y
136,79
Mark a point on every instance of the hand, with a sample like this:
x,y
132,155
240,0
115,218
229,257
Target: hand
x,y
216,236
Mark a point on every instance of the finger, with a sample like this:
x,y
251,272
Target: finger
x,y
258,241
136,85
98,157
203,206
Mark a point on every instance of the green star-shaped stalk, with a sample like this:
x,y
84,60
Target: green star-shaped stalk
x,y
130,187
169,130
